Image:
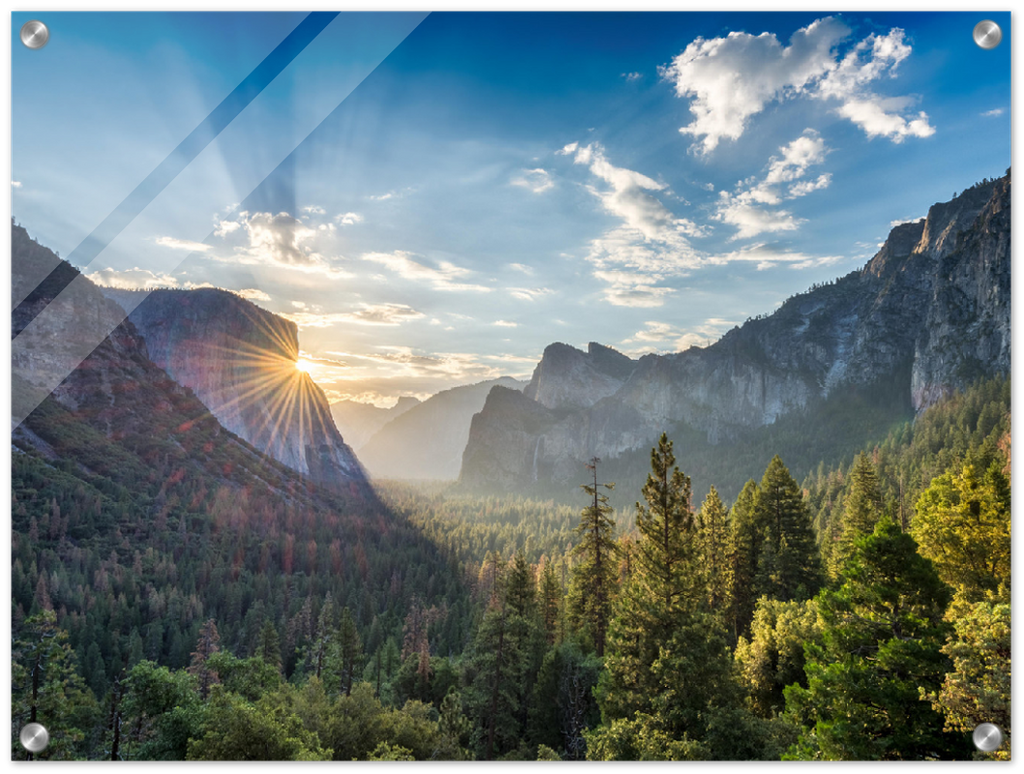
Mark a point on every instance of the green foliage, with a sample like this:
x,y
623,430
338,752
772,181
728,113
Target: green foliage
x,y
963,525
861,509
641,738
563,707
774,656
789,565
714,553
662,590
161,712
882,638
47,689
977,689
241,731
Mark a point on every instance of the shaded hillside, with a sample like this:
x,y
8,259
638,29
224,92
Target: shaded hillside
x,y
357,422
136,516
427,441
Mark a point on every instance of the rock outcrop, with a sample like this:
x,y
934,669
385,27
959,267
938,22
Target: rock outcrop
x,y
929,312
240,360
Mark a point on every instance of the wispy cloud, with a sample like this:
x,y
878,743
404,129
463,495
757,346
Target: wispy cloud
x,y
181,244
650,243
536,180
747,207
362,314
445,276
529,294
666,337
630,77
15,184
766,256
132,279
986,114
505,324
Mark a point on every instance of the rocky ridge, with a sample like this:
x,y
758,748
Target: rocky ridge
x,y
930,310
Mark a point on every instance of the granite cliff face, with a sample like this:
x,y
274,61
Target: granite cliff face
x,y
929,312
239,360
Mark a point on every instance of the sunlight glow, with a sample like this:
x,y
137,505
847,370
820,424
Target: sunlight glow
x,y
303,365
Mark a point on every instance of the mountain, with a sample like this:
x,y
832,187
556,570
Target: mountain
x,y
239,360
427,441
357,421
927,315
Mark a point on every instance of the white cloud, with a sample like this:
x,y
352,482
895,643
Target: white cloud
x,y
131,279
986,114
363,314
181,244
536,180
809,186
521,267
630,77
299,304
444,277
529,294
731,79
894,223
506,324
253,294
795,158
15,184
665,337
314,210
767,257
349,218
226,227
751,220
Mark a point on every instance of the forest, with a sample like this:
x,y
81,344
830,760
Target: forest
x,y
862,613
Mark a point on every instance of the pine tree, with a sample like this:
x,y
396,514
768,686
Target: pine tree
x,y
660,592
550,602
348,653
789,565
714,552
746,538
862,508
882,638
521,590
594,576
269,648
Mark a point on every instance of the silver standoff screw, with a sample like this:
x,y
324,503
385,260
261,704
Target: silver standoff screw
x,y
34,34
987,737
987,34
34,737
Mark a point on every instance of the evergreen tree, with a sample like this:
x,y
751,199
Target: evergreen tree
x,y
521,590
269,648
348,653
661,590
714,552
550,602
594,575
789,565
882,638
746,538
861,510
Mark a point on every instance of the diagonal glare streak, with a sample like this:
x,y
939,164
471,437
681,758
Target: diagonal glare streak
x,y
206,132
34,385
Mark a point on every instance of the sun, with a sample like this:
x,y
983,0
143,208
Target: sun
x,y
303,365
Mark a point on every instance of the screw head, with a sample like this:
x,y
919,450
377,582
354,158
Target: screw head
x,y
987,34
987,737
34,737
34,34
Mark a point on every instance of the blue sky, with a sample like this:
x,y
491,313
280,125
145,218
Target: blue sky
x,y
435,198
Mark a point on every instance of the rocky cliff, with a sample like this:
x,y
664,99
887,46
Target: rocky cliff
x,y
929,313
239,360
